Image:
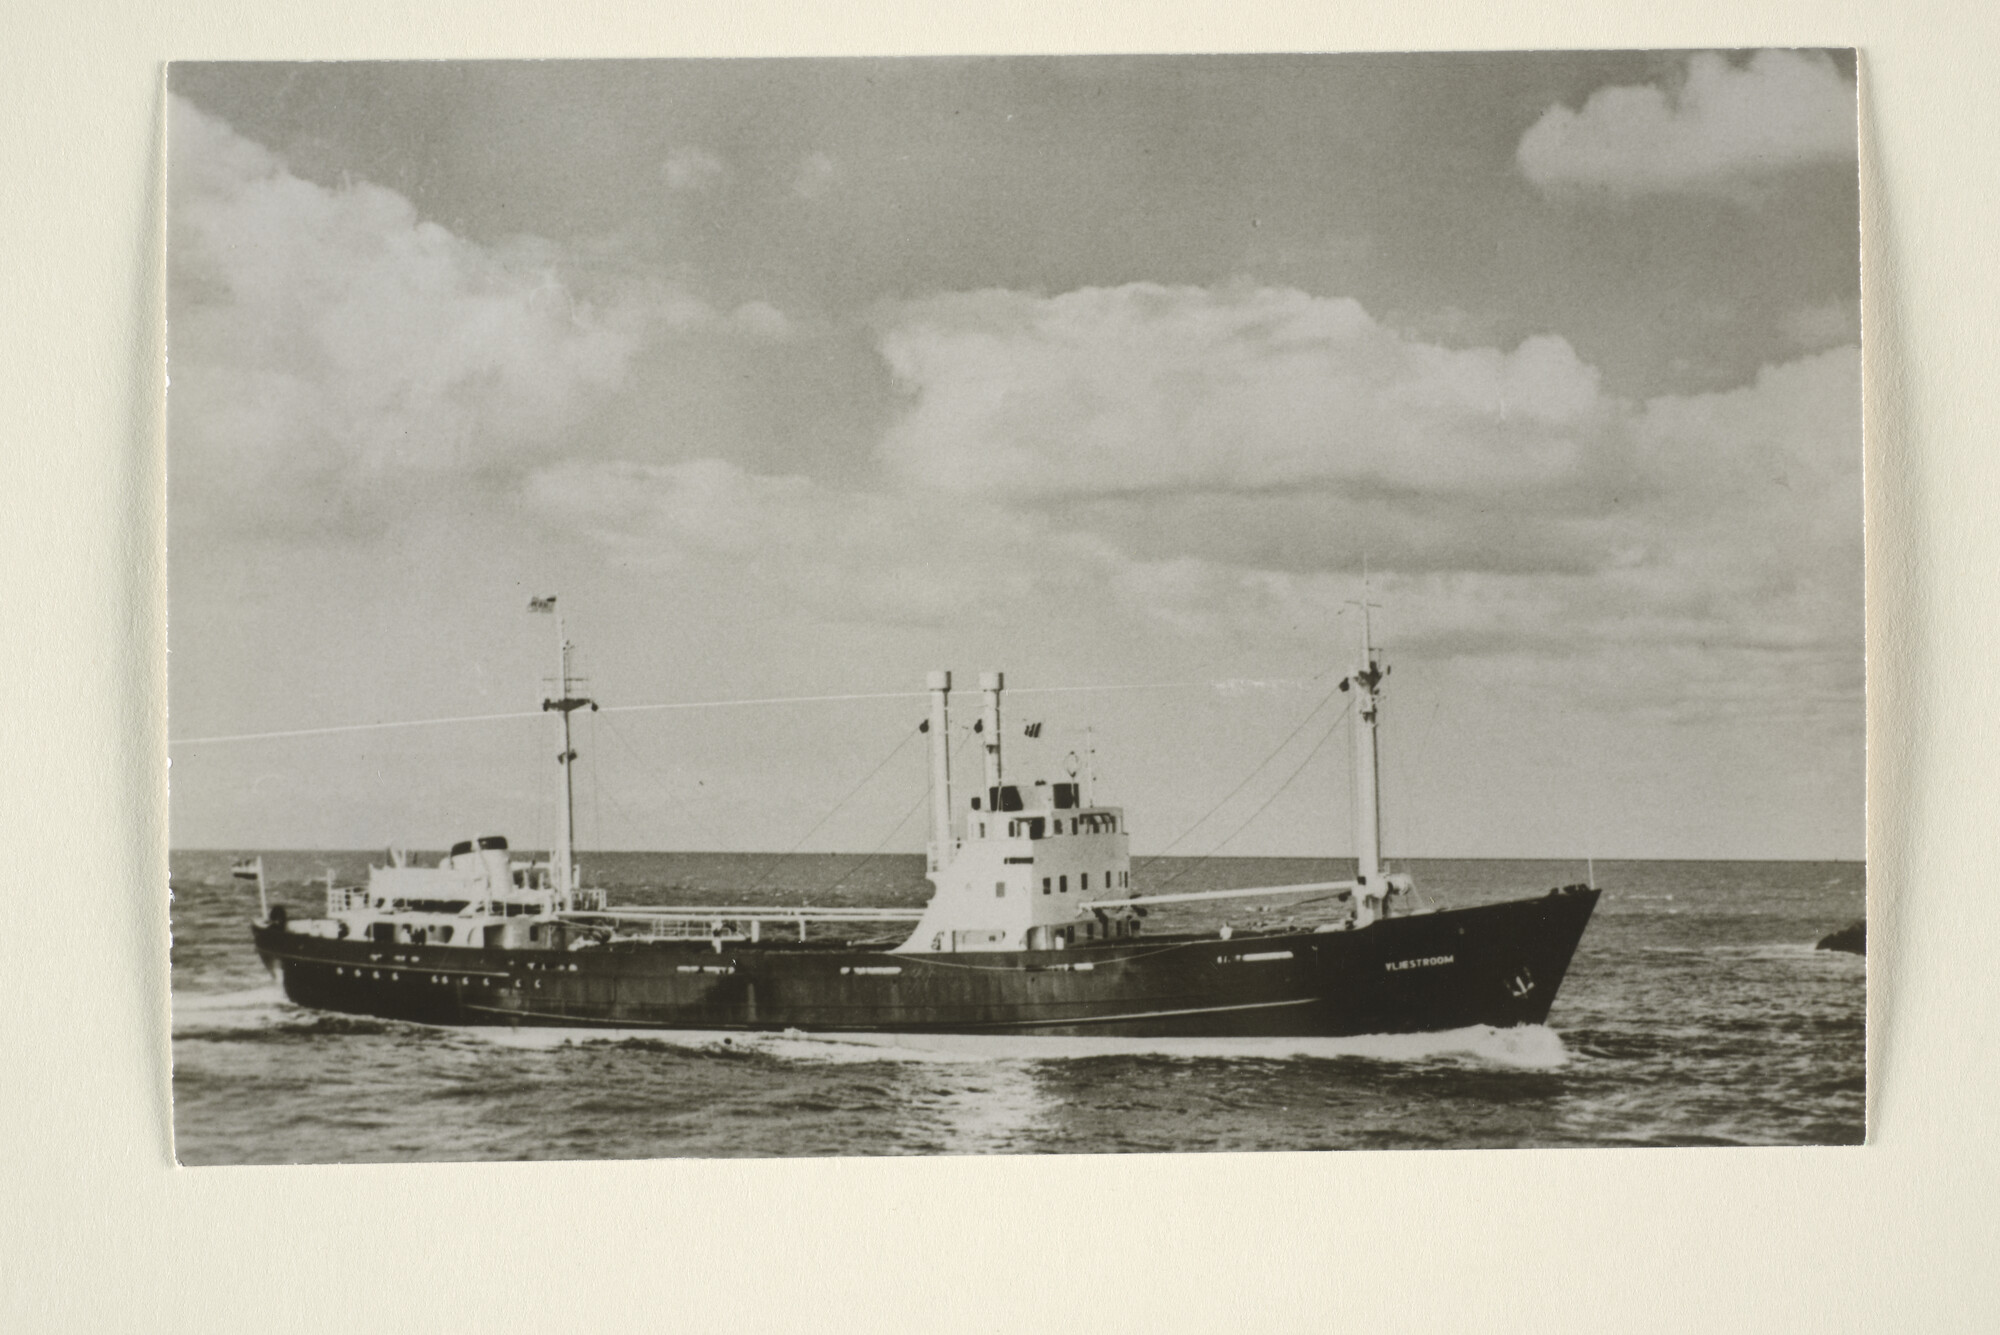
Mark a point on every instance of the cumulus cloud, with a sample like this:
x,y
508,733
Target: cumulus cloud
x,y
325,340
1218,464
691,169
1236,454
845,554
1705,548
1207,462
330,348
1147,388
1719,129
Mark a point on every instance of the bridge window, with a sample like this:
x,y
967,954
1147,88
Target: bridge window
x,y
1062,885
1083,881
1045,885
999,889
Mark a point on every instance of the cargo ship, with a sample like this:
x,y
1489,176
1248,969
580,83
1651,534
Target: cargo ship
x,y
1034,926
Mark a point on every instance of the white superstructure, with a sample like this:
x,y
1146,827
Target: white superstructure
x,y
1040,866
1017,866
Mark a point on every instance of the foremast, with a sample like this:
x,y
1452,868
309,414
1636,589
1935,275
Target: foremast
x,y
567,700
1365,681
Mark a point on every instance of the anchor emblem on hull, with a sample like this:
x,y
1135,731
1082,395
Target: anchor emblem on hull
x,y
1522,983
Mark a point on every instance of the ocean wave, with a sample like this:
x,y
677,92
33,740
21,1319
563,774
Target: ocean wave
x,y
1767,950
299,1027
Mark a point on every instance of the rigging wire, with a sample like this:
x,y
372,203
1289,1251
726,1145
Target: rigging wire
x,y
681,704
830,811
665,786
350,727
1413,822
965,733
630,821
1323,739
596,811
894,830
1246,778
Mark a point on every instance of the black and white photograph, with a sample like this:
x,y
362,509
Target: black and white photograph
x,y
1014,605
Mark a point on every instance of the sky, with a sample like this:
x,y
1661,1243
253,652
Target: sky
x,y
801,378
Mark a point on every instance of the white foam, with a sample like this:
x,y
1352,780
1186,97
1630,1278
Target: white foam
x,y
212,1005
1769,950
1530,1047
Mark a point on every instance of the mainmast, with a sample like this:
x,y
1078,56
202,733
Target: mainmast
x,y
1365,682
566,702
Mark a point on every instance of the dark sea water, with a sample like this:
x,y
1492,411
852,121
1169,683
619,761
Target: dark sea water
x,y
1697,1013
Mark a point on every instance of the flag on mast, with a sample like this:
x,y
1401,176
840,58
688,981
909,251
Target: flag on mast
x,y
547,604
252,869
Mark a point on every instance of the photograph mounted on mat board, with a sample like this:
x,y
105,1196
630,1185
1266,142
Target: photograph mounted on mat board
x,y
1030,604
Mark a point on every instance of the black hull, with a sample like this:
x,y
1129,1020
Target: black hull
x,y
1497,964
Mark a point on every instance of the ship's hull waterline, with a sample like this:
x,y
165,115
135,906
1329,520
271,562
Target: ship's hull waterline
x,y
1496,964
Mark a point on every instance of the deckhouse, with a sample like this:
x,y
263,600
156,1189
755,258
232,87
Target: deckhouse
x,y
1016,866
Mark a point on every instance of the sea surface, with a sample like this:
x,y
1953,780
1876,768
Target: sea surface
x,y
1697,1012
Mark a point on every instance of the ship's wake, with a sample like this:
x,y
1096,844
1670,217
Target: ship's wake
x,y
1531,1047
261,1002
264,1011
265,1015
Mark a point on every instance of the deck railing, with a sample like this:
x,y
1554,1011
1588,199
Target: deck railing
x,y
731,922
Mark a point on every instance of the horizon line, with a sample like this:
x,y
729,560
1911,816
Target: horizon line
x,y
372,849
